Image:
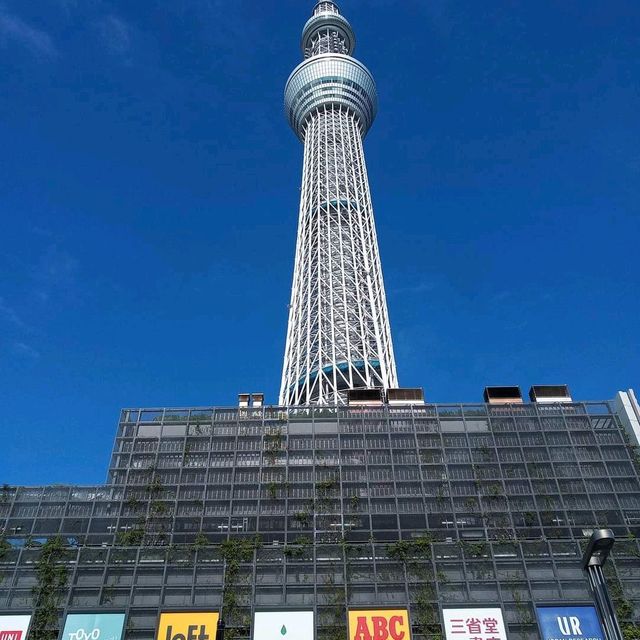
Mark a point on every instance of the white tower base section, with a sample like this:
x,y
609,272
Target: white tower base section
x,y
338,335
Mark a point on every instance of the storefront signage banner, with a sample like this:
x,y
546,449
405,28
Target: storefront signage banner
x,y
93,626
474,623
188,625
283,625
14,627
569,623
379,624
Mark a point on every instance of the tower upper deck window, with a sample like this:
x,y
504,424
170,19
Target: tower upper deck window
x,y
325,7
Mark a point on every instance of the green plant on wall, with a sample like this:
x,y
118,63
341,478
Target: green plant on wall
x,y
272,489
624,609
234,552
200,542
416,554
325,490
522,608
154,487
5,494
145,530
485,452
411,551
134,504
474,549
51,576
337,628
132,537
426,612
630,631
304,517
5,547
273,445
495,489
299,548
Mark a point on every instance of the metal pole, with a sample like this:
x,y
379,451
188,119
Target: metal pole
x,y
220,629
601,596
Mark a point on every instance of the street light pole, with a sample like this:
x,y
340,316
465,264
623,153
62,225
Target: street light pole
x,y
220,629
596,554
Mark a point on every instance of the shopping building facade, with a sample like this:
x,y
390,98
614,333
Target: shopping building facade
x,y
329,509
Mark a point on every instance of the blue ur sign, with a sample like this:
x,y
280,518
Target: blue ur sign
x,y
569,623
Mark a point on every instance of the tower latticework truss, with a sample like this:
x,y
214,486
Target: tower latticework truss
x,y
338,336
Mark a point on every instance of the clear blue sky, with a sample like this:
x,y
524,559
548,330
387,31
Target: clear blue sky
x,y
148,204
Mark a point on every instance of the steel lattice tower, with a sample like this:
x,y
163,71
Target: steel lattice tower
x,y
338,336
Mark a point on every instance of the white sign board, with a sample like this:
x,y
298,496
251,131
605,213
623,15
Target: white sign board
x,y
474,623
283,625
14,627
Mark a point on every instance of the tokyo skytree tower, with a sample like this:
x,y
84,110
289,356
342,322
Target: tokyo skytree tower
x,y
338,337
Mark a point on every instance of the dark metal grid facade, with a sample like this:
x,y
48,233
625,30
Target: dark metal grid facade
x,y
503,497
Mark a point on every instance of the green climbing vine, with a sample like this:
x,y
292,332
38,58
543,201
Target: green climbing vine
x,y
522,608
5,547
299,548
415,554
474,549
234,552
5,494
624,610
337,627
148,528
273,445
52,576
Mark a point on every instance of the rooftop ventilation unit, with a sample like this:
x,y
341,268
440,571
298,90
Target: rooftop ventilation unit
x,y
502,395
364,397
405,396
243,399
550,393
257,399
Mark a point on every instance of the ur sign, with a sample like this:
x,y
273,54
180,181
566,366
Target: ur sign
x,y
379,624
474,623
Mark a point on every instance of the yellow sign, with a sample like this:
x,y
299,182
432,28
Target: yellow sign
x,y
188,625
379,624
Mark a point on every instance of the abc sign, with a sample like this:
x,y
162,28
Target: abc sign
x,y
379,624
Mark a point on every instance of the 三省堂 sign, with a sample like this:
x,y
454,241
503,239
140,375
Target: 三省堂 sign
x,y
474,623
569,623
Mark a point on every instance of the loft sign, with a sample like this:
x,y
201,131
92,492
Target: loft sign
x,y
569,623
187,625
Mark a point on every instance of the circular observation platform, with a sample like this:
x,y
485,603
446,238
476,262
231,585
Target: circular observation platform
x,y
330,78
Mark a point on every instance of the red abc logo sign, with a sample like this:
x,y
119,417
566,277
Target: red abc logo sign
x,y
379,624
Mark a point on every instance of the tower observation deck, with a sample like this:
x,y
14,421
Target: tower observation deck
x,y
338,336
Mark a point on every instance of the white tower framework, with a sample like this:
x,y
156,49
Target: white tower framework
x,y
338,336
